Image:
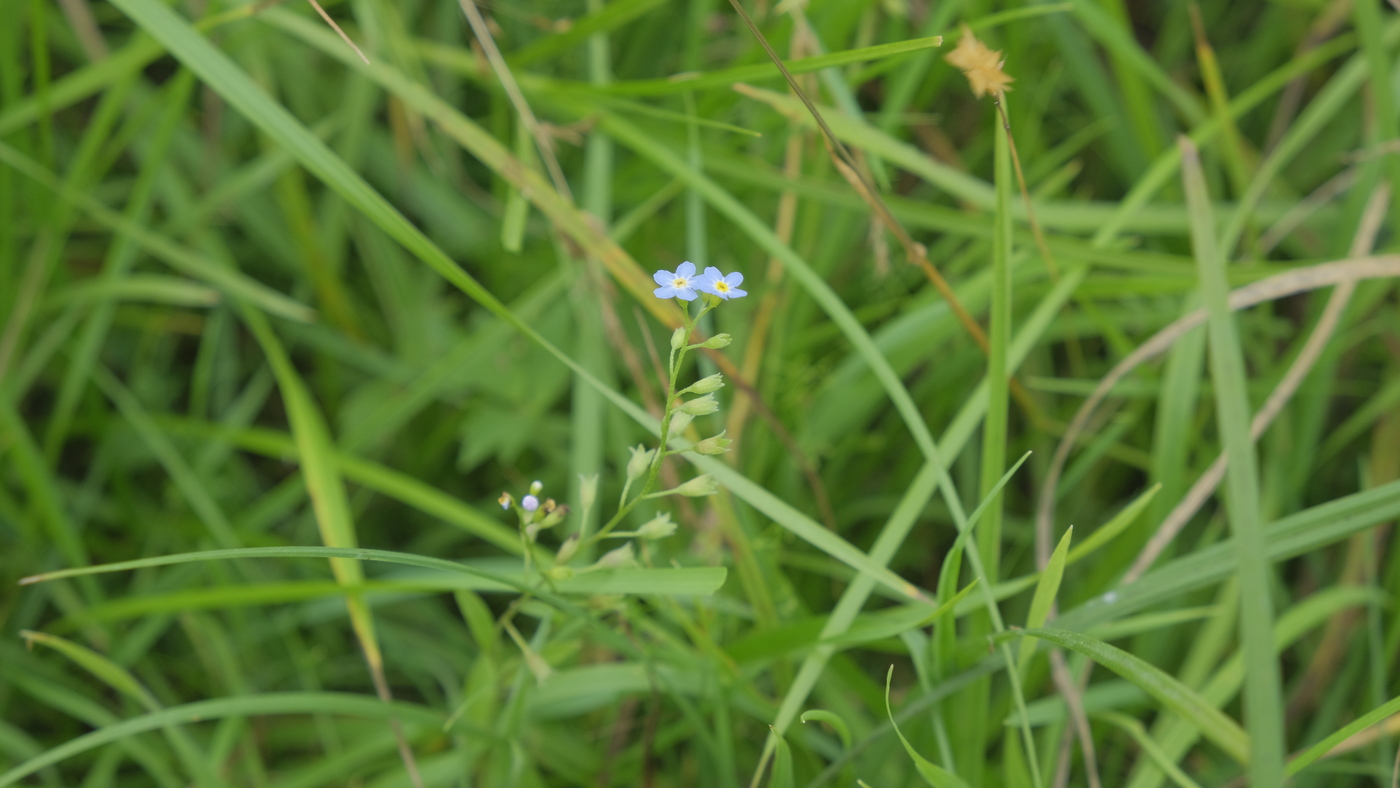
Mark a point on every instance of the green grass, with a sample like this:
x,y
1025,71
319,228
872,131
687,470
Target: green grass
x,y
278,327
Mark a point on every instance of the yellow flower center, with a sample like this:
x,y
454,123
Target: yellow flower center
x,y
721,285
680,281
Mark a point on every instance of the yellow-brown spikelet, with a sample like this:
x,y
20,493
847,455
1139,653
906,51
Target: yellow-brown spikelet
x,y
981,66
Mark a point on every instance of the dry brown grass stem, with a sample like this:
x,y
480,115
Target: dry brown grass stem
x,y
327,18
1322,333
849,168
517,99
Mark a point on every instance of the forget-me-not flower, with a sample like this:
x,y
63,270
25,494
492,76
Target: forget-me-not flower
x,y
678,284
715,283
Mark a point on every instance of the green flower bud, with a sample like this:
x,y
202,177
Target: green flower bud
x,y
567,550
556,516
699,487
536,486
700,406
717,341
714,382
714,445
614,559
678,338
560,573
587,490
640,462
679,422
658,527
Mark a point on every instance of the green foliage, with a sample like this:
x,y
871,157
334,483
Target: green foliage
x,y
278,326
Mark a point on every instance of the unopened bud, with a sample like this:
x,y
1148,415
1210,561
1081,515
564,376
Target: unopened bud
x,y
700,406
658,527
640,462
699,487
717,444
536,486
678,338
614,559
714,382
556,516
588,489
529,503
717,341
567,550
560,573
505,500
679,422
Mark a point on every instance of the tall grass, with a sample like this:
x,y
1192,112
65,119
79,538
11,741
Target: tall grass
x,y
279,325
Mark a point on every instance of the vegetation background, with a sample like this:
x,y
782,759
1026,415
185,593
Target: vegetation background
x,y
261,296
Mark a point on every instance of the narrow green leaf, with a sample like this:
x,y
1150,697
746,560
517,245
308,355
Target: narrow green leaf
x,y
837,724
1263,700
1111,529
933,774
245,706
1212,723
1313,753
1149,746
782,764
1044,598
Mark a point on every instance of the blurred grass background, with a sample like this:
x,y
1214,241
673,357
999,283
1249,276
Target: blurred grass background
x,y
256,293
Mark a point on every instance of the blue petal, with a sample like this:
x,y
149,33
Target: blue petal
x,y
735,292
663,278
735,279
685,294
664,292
686,269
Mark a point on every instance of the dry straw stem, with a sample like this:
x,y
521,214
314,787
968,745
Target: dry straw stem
x,y
1364,240
849,168
517,99
1302,280
327,17
1326,326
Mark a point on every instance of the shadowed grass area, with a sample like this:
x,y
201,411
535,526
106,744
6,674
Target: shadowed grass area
x,y
1070,411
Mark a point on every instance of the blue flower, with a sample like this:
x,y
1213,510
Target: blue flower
x,y
678,284
715,283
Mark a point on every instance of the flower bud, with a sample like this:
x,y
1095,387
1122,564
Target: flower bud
x,y
555,516
640,462
679,422
717,444
567,550
658,527
505,500
614,559
699,487
717,341
714,382
536,486
700,406
588,489
678,338
560,573
529,503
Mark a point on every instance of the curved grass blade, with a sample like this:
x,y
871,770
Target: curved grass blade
x,y
837,724
1150,746
1212,722
1320,750
1263,692
246,706
1044,598
933,774
174,255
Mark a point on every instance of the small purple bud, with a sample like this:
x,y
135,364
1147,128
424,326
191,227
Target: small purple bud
x,y
529,503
